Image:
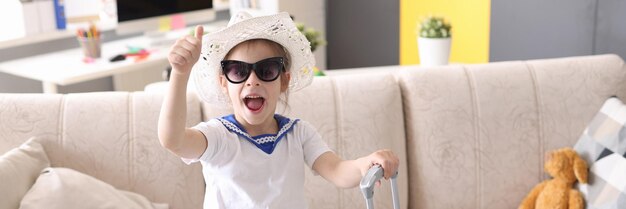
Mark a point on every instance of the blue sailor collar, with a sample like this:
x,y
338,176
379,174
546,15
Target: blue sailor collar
x,y
265,142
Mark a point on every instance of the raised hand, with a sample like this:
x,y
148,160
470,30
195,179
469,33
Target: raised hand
x,y
185,52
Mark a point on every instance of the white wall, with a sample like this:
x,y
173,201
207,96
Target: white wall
x,y
313,14
11,20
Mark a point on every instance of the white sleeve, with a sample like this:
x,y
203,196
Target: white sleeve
x,y
213,131
312,144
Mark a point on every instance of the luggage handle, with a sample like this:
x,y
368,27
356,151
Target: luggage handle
x,y
374,174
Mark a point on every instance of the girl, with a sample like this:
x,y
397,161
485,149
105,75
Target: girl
x,y
253,158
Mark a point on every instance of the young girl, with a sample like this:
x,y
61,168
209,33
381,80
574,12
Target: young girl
x,y
253,158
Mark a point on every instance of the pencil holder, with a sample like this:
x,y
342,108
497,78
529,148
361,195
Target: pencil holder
x,y
91,47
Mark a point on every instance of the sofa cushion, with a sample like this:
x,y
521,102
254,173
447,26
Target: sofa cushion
x,y
477,134
66,188
18,170
112,136
25,115
603,146
355,114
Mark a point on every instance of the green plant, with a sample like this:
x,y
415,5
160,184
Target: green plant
x,y
311,35
434,27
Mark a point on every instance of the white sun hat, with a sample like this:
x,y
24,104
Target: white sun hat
x,y
278,28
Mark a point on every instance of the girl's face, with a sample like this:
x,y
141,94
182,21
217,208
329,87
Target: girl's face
x,y
254,100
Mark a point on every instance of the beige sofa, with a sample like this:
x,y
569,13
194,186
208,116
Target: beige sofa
x,y
468,136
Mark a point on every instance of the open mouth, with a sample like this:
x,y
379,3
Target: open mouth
x,y
254,103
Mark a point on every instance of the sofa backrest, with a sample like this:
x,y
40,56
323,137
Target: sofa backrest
x,y
111,136
468,136
355,115
477,134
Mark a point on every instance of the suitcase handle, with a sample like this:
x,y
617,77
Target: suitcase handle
x,y
374,174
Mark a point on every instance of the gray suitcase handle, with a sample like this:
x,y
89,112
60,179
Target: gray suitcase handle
x,y
374,174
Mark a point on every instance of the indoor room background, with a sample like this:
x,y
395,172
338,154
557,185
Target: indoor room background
x,y
363,33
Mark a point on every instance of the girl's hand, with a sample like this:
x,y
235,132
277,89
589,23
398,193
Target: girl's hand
x,y
185,52
385,158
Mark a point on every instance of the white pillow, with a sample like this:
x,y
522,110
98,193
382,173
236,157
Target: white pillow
x,y
603,146
66,188
19,168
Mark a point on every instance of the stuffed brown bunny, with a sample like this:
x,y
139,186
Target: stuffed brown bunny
x,y
565,166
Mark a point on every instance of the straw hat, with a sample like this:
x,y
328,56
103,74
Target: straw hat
x,y
278,28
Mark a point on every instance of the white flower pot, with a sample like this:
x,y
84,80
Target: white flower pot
x,y
434,51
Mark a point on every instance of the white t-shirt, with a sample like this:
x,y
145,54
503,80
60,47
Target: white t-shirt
x,y
239,172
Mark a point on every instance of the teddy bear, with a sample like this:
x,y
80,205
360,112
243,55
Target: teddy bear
x,y
565,167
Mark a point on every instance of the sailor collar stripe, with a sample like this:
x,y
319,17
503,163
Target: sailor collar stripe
x,y
265,142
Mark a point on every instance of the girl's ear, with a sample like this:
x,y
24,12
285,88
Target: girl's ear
x,y
284,81
224,84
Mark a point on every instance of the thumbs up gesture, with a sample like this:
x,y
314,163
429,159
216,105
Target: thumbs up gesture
x,y
185,52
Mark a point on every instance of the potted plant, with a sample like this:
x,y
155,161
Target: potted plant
x,y
434,41
315,39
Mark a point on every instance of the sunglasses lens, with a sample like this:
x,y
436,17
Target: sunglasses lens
x,y
235,72
268,70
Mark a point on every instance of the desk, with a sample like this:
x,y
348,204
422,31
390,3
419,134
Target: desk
x,y
66,67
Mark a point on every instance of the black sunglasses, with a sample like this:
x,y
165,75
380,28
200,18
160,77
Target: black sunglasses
x,y
267,70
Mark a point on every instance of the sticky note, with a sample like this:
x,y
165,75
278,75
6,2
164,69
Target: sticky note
x,y
178,22
165,24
